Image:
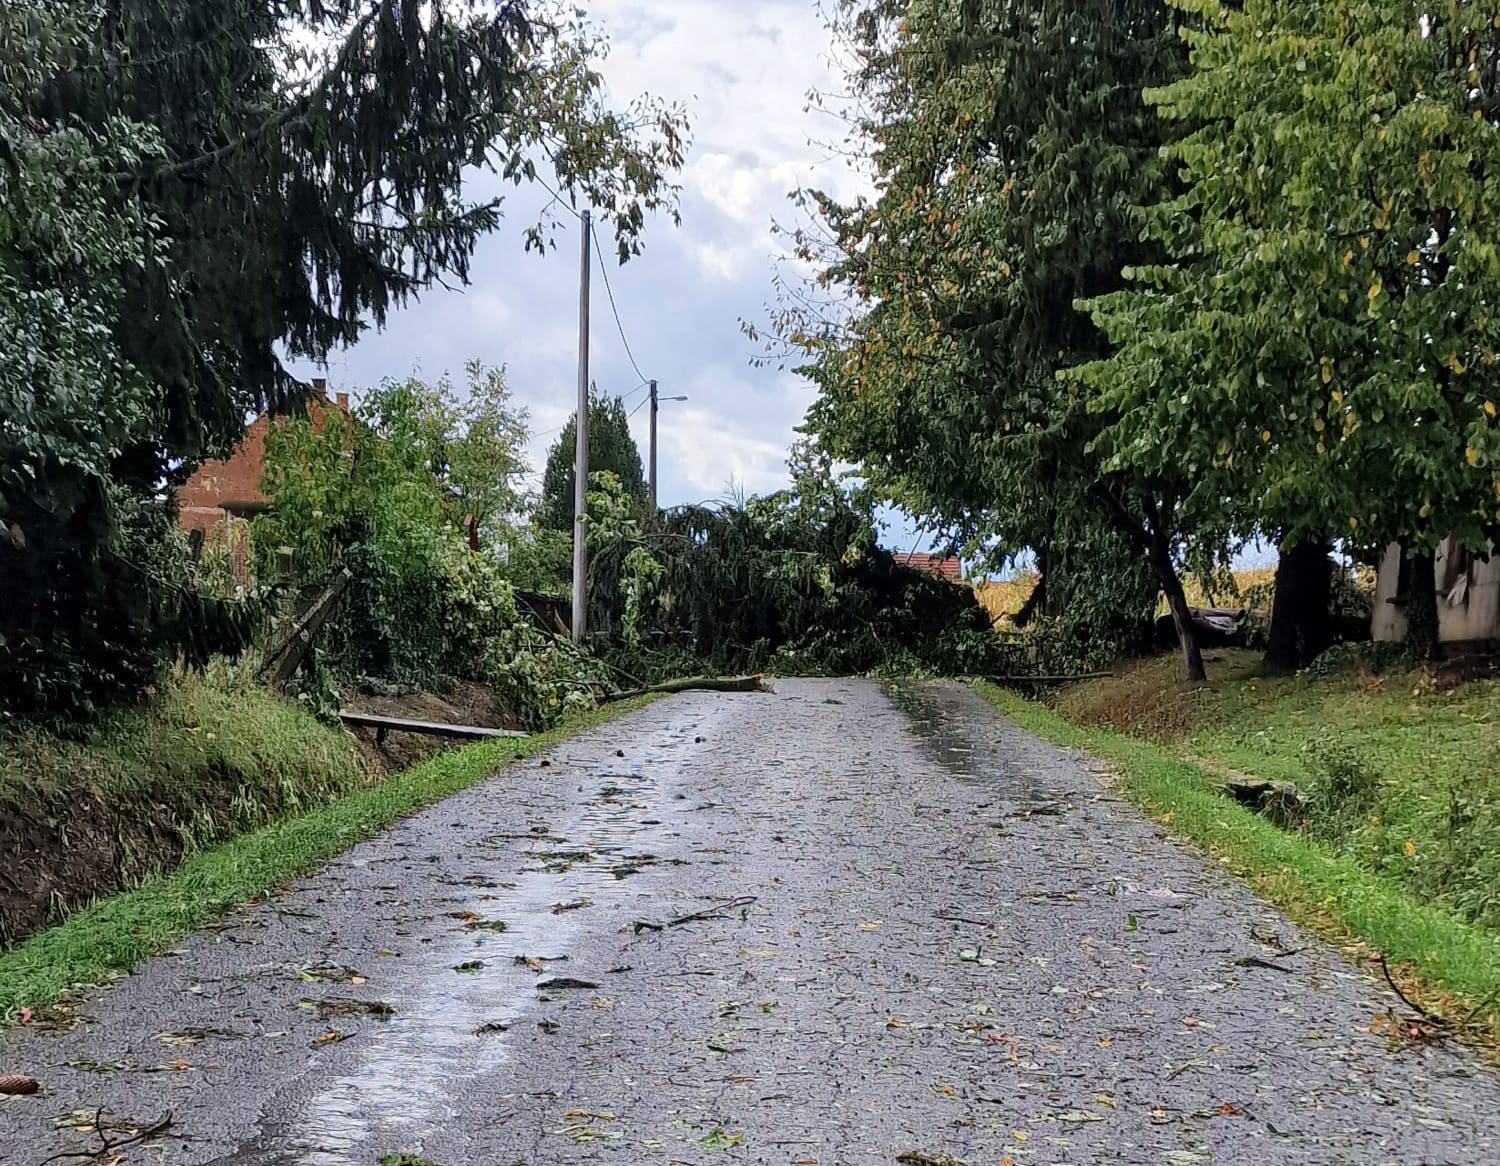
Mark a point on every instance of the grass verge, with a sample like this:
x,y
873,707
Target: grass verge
x,y
112,936
1452,968
1396,775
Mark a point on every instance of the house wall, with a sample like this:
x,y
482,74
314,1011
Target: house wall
x,y
201,499
1469,611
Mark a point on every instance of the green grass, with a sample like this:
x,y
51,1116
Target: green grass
x,y
212,754
1322,885
1403,779
113,935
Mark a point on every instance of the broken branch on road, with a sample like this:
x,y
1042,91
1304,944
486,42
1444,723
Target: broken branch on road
x,y
754,683
718,911
108,1144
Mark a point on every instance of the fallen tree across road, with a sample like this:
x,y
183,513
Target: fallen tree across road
x,y
755,683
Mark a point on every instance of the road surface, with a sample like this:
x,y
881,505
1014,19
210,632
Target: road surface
x,y
920,932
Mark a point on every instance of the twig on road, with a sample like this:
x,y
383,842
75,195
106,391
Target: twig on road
x,y
950,918
107,1143
1254,961
1426,1017
718,911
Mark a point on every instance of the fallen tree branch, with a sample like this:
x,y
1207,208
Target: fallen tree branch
x,y
110,1144
717,911
693,683
1059,679
1427,1017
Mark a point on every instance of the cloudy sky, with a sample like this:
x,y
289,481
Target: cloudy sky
x,y
743,70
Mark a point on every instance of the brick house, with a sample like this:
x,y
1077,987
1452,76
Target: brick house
x,y
222,494
948,567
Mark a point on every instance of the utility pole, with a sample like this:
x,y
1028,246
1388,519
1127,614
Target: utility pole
x,y
652,460
656,400
581,458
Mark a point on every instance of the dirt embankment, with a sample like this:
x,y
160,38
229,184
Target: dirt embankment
x,y
467,703
60,857
207,760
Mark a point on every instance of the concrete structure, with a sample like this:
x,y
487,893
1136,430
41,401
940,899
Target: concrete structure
x,y
1468,587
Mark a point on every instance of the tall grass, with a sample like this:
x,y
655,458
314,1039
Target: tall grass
x,y
201,735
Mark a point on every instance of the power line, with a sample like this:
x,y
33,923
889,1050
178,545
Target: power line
x,y
614,311
557,198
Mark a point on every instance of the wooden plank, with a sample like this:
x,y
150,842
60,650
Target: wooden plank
x,y
431,728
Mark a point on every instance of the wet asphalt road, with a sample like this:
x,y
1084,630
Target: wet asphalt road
x,y
952,940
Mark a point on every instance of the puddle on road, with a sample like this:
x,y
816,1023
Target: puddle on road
x,y
943,718
451,1025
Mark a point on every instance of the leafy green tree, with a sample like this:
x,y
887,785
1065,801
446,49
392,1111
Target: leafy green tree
x,y
386,493
471,445
1319,350
72,245
611,450
303,173
413,457
485,459
1009,145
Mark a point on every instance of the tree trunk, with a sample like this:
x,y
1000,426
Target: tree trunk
x,y
1037,600
1421,606
1300,623
1182,616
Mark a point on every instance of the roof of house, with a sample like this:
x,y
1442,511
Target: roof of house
x,y
233,483
948,567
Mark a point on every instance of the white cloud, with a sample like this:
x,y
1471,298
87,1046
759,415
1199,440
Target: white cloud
x,y
743,69
741,186
708,456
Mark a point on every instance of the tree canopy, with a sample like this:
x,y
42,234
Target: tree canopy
x,y
611,450
192,190
1318,350
1174,272
1010,147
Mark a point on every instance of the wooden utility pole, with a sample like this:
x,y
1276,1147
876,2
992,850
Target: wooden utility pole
x,y
581,458
651,461
656,400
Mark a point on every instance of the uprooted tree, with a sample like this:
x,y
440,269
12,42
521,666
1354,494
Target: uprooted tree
x,y
323,147
793,582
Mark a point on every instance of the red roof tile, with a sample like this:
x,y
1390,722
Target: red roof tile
x,y
948,567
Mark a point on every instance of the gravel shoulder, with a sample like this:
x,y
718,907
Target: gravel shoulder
x,y
915,930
